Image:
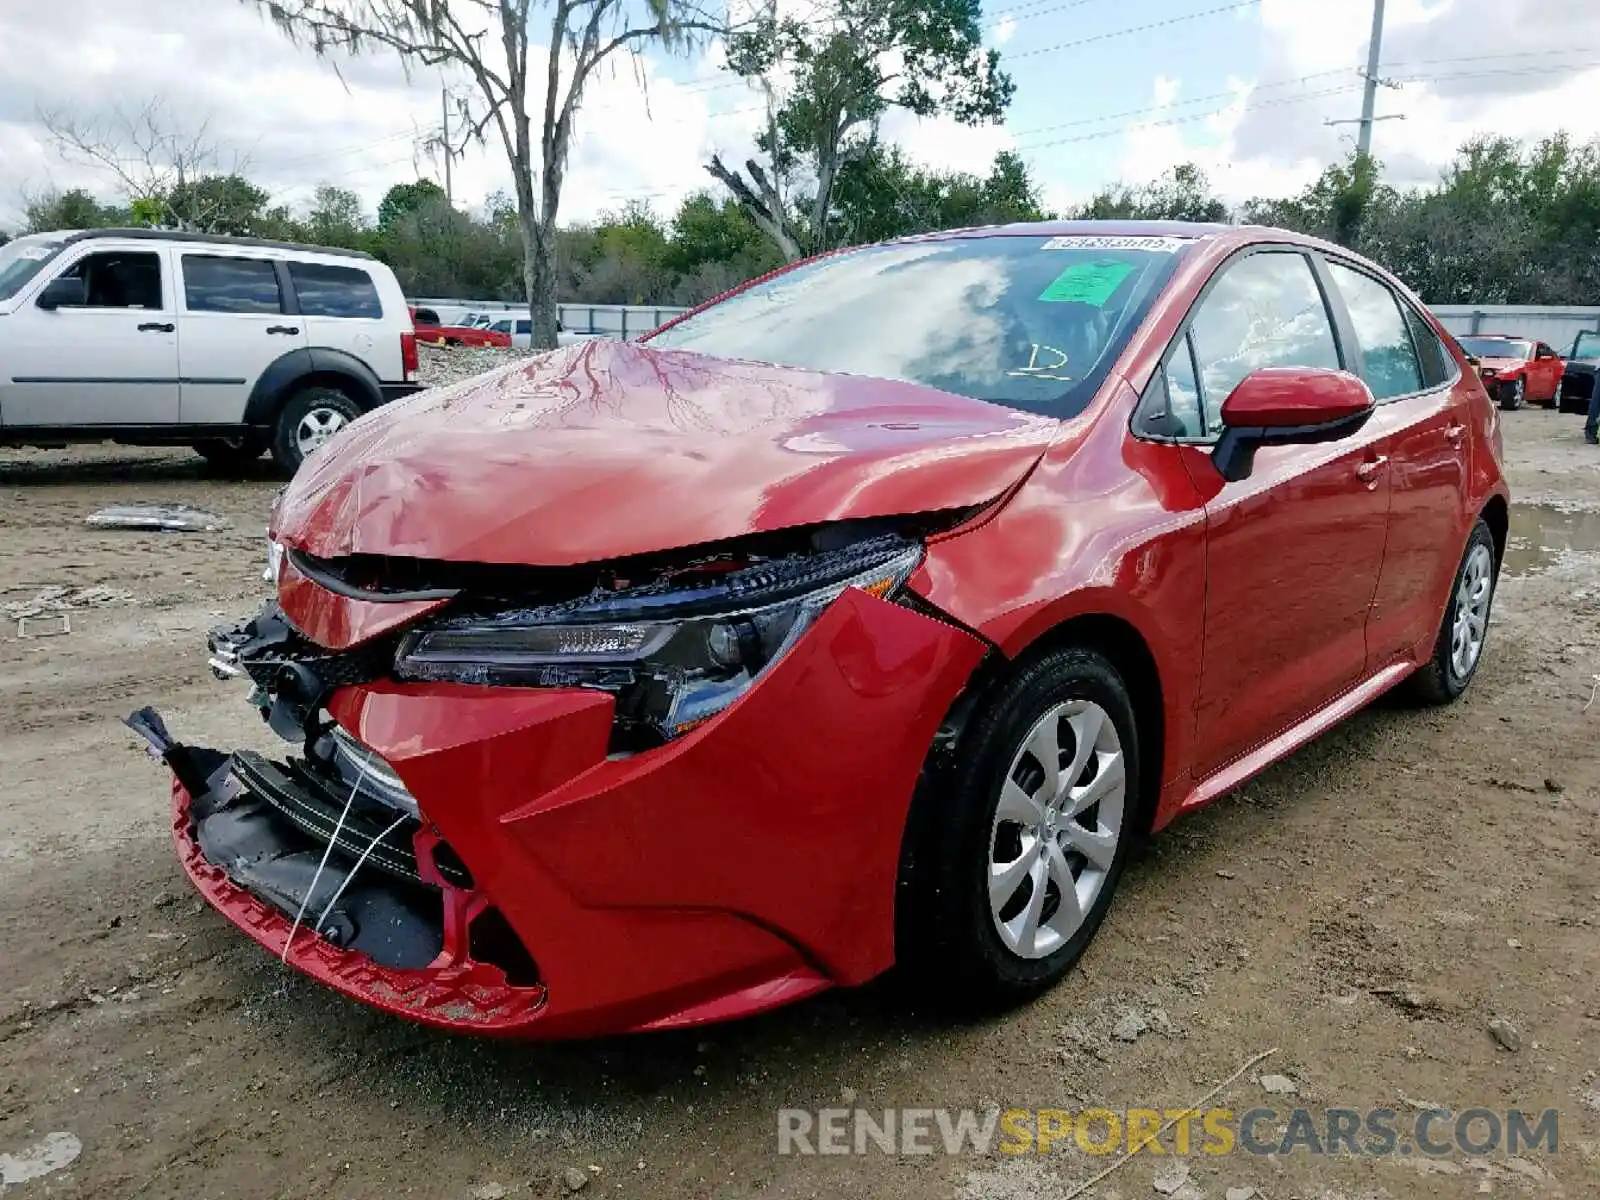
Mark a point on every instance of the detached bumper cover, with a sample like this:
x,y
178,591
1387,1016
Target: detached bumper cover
x,y
747,864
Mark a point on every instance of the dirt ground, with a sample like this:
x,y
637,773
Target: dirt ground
x,y
1365,908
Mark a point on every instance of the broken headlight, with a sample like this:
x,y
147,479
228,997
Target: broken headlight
x,y
675,653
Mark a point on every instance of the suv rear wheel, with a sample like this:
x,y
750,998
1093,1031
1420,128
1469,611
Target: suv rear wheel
x,y
308,420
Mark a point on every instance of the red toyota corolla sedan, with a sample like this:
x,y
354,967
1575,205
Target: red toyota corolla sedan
x,y
863,617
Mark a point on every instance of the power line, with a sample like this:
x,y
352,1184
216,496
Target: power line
x,y
1180,19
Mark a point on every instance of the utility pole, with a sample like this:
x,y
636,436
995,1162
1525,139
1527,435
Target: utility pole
x,y
1369,97
444,109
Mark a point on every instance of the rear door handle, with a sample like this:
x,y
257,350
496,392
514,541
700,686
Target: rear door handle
x,y
1454,432
158,327
1367,472
290,329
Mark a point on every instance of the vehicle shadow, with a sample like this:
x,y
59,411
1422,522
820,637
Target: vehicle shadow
x,y
123,465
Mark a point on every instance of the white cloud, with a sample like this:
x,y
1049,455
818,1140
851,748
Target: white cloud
x,y
1005,29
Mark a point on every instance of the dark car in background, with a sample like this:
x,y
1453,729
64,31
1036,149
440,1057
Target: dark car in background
x,y
1578,379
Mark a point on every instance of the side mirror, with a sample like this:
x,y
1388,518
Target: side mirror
x,y
1278,406
63,292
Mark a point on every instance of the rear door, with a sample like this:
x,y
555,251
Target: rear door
x,y
112,361
236,319
1294,550
1422,420
341,311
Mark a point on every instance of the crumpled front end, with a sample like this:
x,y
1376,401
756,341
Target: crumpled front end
x,y
493,843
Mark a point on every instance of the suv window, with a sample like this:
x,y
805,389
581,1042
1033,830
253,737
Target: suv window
x,y
1266,310
230,285
119,279
329,291
1388,359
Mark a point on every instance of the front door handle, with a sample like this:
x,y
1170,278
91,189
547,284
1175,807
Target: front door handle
x,y
157,327
1368,471
1454,432
289,329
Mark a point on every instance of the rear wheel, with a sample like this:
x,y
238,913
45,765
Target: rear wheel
x,y
1459,647
310,418
1511,397
1012,863
231,454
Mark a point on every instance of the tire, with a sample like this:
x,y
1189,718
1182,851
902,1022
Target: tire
x,y
1511,400
978,952
231,454
1448,671
309,418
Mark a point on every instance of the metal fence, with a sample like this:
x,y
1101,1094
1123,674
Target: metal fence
x,y
609,320
1556,327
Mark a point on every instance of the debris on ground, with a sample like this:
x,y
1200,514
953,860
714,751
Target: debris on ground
x,y
575,1180
1171,1178
439,365
1504,1032
1278,1085
1129,1026
45,1157
169,518
49,601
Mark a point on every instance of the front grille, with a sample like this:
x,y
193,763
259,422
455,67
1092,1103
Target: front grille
x,y
302,796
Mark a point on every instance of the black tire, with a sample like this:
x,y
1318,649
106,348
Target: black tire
x,y
1511,395
1439,681
289,447
946,929
232,454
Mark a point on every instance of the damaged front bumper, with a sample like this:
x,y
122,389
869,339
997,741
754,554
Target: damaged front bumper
x,y
493,865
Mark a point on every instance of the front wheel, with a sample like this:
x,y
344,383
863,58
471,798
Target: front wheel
x,y
310,418
1459,647
1012,862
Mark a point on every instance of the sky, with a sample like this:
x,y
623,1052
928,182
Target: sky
x,y
1106,90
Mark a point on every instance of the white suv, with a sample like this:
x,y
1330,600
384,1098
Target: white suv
x,y
231,345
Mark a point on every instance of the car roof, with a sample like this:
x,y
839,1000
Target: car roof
x,y
68,237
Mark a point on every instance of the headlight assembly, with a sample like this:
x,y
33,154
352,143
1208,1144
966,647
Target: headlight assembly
x,y
673,653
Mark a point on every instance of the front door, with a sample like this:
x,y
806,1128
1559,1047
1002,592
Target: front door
x,y
235,325
1293,550
112,361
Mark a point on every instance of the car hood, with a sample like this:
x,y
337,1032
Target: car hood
x,y
1501,364
607,449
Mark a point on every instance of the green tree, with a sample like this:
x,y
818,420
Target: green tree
x,y
226,204
1180,194
850,64
336,218
405,198
71,209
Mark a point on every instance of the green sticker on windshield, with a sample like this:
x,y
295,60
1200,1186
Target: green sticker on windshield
x,y
1087,283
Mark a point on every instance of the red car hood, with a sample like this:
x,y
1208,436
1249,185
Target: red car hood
x,y
1501,365
606,449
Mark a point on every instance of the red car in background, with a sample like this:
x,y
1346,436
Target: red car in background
x,y
864,617
430,330
1516,370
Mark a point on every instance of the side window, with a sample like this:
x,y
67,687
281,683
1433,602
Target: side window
x,y
1388,359
230,285
328,291
524,327
1265,311
119,279
1437,365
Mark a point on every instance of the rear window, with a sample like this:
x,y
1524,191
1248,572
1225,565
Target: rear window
x,y
230,285
1029,322
329,291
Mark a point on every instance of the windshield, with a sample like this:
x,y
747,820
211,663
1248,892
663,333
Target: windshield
x,y
24,258
1587,346
1496,347
1030,322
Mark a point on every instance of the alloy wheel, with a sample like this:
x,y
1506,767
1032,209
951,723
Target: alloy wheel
x,y
1471,616
1056,827
316,427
